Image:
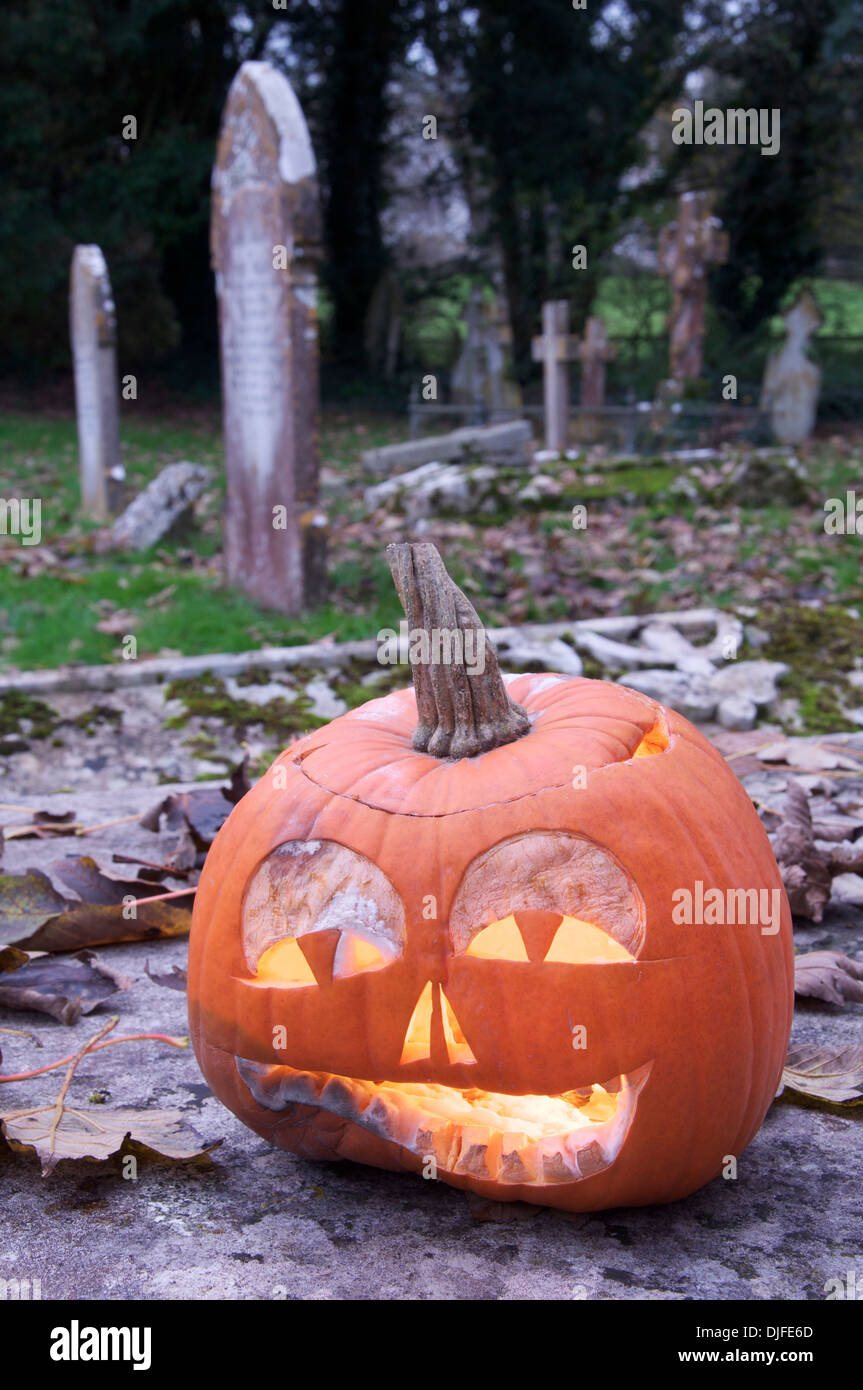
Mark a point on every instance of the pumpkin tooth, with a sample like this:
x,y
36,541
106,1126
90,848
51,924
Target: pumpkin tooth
x,y
378,1116
472,1154
514,1139
515,1159
342,1097
591,1159
555,1167
447,1142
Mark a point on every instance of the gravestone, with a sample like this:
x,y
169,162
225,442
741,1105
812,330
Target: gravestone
x,y
555,350
93,332
479,377
594,351
791,381
687,248
265,242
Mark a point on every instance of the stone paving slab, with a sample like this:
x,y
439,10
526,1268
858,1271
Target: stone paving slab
x,y
257,1223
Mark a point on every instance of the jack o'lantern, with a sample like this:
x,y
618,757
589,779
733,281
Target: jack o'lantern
x,y
440,935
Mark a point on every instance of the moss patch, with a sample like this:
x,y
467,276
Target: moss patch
x,y
22,718
820,645
205,697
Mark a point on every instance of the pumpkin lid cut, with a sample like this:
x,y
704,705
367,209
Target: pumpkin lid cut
x,y
464,736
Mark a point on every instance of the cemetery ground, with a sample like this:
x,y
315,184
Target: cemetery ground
x,y
739,530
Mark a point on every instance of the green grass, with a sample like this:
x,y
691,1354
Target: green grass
x,y
50,608
49,613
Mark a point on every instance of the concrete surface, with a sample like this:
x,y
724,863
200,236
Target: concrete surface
x,y
256,1223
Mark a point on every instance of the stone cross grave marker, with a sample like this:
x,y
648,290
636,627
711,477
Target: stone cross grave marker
x,y
594,350
687,247
791,381
555,349
265,240
93,332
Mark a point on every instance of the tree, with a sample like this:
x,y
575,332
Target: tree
x,y
556,103
108,120
803,58
345,55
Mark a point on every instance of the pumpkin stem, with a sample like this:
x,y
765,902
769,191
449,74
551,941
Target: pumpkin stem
x,y
462,704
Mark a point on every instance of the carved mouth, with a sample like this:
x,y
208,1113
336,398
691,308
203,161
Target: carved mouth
x,y
532,1140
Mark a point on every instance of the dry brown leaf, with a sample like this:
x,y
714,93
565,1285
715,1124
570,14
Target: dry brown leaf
x,y
201,812
11,958
34,916
60,1130
808,757
26,901
86,924
176,980
44,826
805,870
828,975
829,1074
97,1133
64,987
119,623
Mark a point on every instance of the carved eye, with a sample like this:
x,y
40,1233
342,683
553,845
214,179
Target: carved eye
x,y
577,943
548,896
574,943
316,911
501,941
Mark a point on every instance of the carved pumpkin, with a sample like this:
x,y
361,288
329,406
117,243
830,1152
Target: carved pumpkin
x,y
439,935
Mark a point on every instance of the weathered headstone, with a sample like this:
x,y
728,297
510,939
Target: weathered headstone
x,y
93,331
509,445
791,381
687,248
594,350
265,242
555,350
479,377
166,502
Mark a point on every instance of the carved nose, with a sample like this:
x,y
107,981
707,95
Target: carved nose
x,y
434,1033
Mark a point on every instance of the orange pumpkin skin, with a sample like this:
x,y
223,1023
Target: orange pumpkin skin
x,y
700,1014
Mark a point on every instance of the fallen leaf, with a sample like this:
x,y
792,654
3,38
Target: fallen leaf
x,y
43,826
97,1133
94,884
828,975
88,924
26,901
33,915
833,1075
176,980
808,757
65,988
119,624
11,958
805,870
202,811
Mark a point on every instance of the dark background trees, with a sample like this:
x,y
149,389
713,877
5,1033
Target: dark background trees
x,y
551,116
